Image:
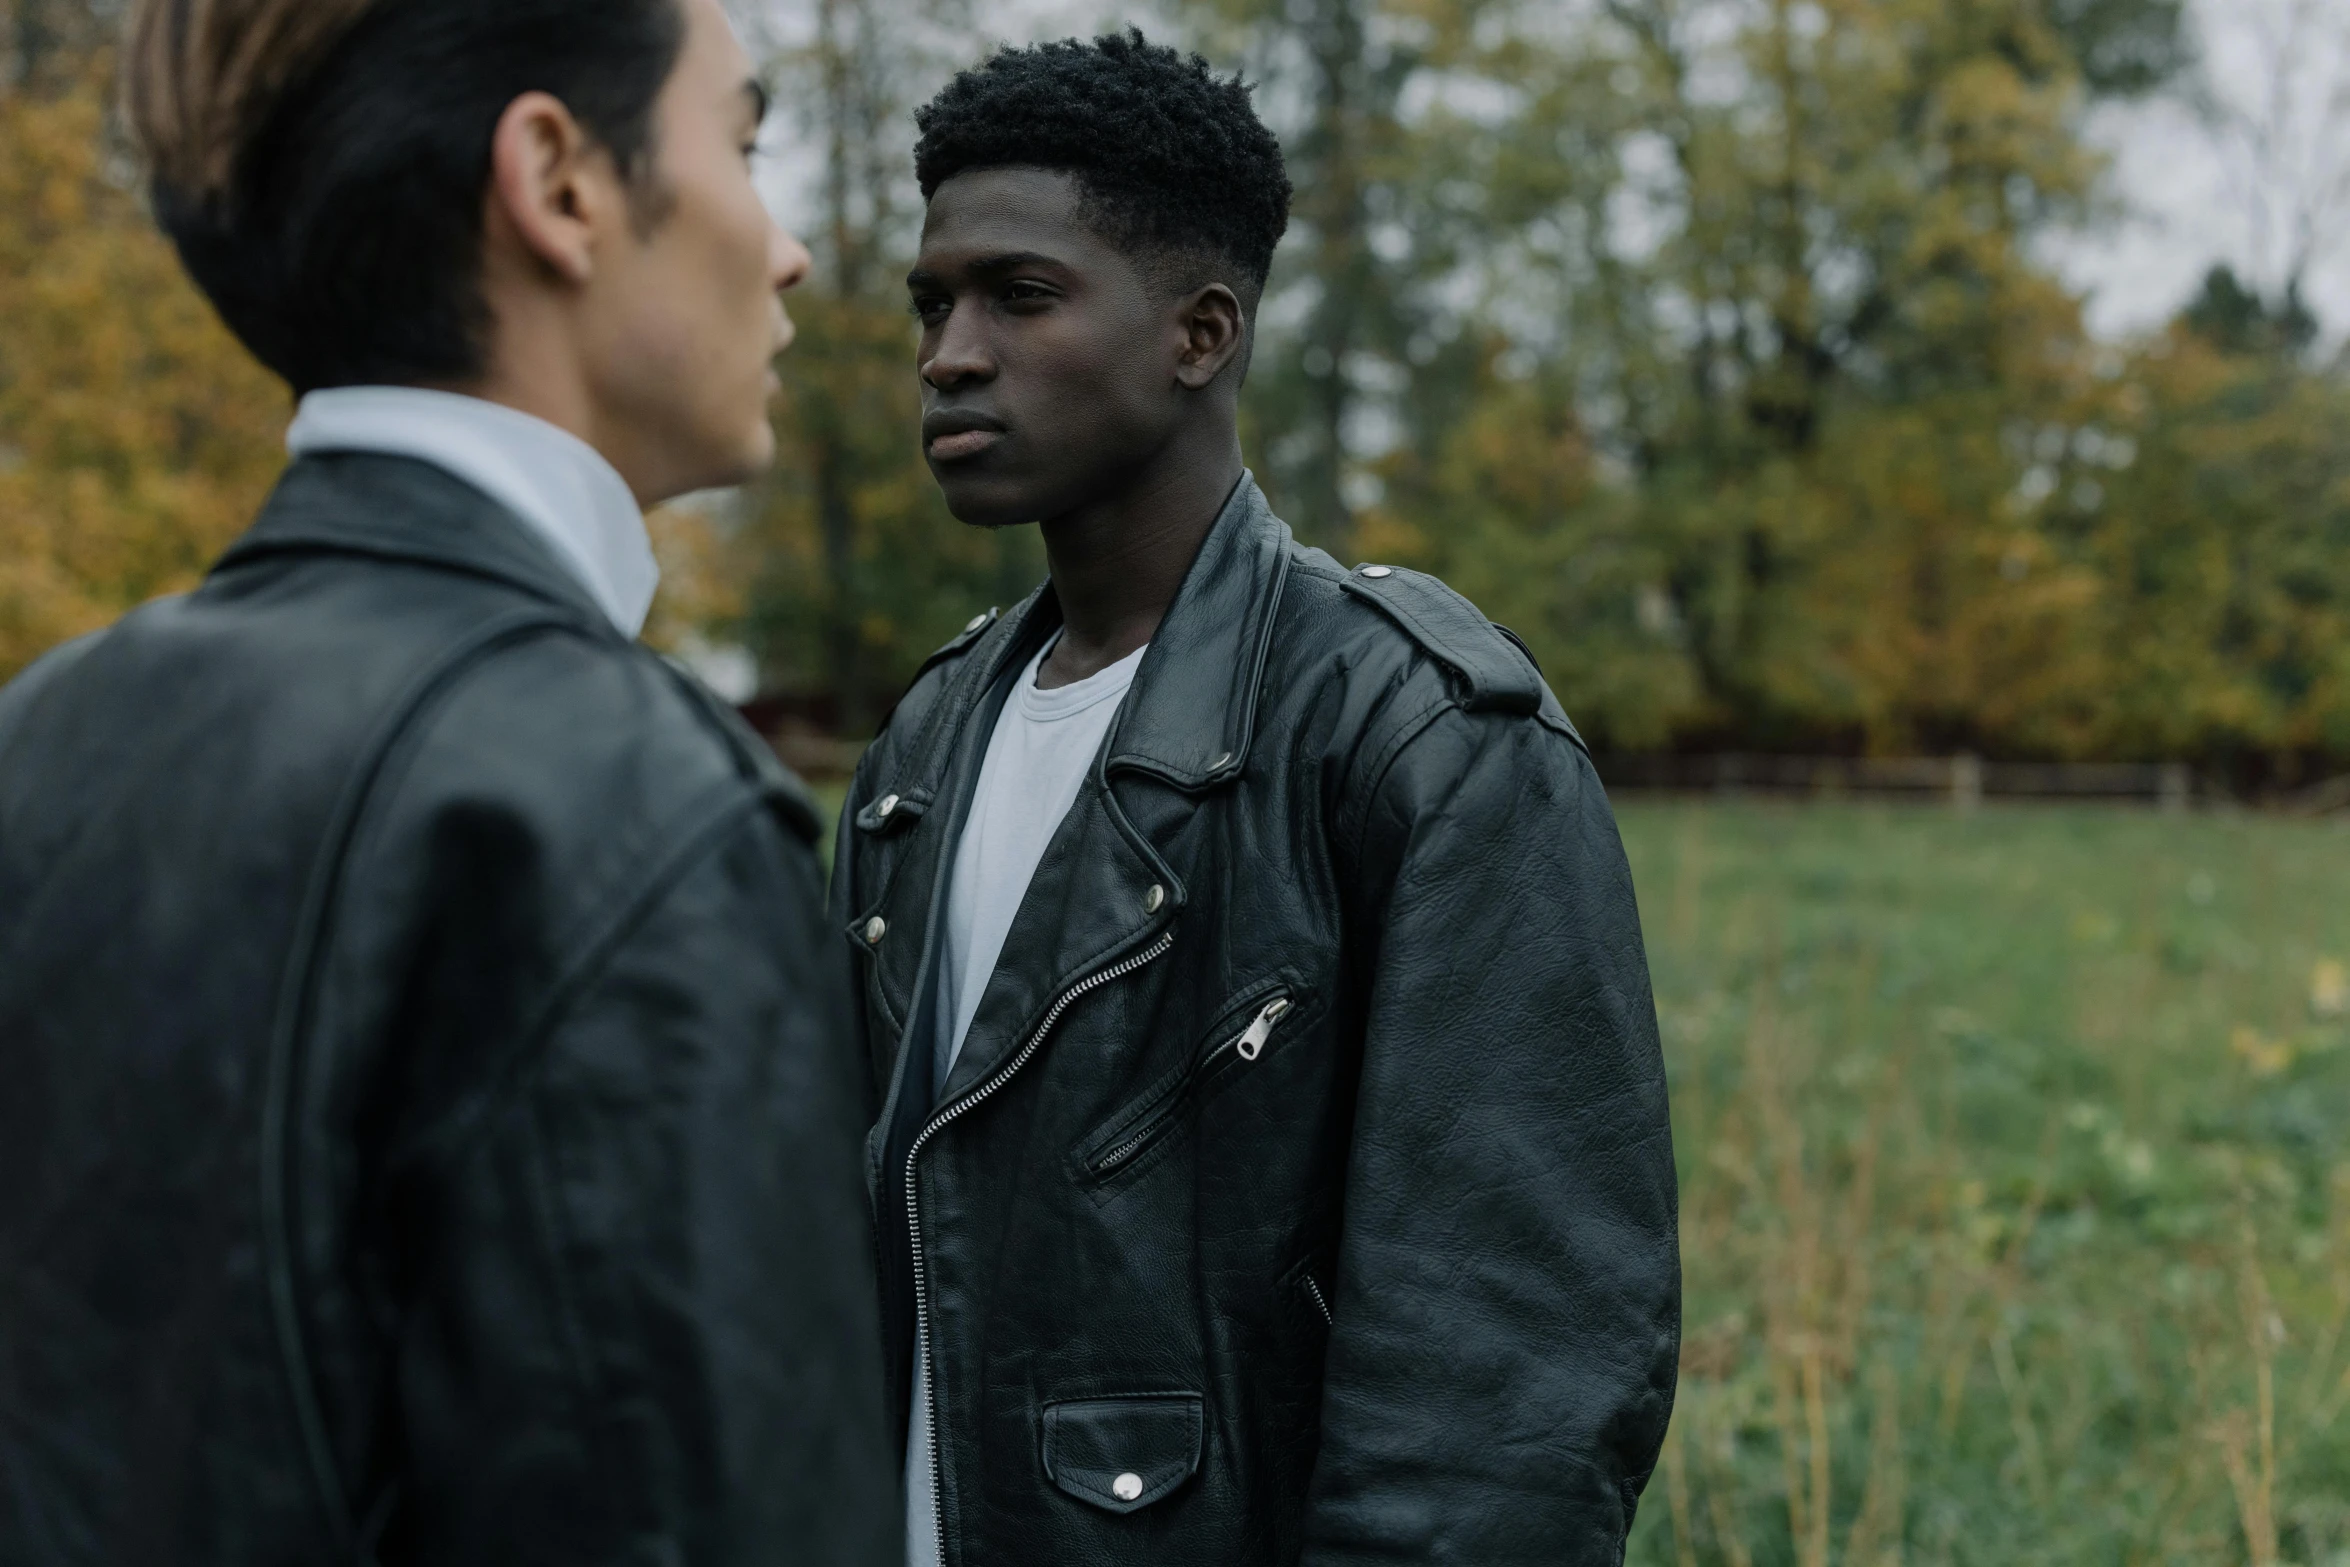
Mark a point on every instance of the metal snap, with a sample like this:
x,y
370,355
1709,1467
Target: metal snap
x,y
1127,1486
1378,571
889,803
875,929
1220,762
975,622
1153,898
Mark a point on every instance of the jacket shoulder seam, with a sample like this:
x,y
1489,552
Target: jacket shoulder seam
x,y
1355,818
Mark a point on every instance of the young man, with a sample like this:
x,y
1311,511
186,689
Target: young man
x,y
426,1136
1272,1160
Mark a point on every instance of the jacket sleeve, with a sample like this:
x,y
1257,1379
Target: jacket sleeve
x,y
1507,1305
646,1327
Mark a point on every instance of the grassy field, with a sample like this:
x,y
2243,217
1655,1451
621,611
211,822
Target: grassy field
x,y
2015,1164
2015,1173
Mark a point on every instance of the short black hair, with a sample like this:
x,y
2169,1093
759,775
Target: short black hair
x,y
1168,154
344,246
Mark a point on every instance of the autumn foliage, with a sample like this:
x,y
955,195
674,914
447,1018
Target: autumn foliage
x,y
136,437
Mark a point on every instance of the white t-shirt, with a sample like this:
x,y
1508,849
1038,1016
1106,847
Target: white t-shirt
x,y
1037,759
1043,746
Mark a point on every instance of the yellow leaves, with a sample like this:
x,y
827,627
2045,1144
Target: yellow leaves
x,y
2265,1056
1990,116
139,437
698,586
2329,988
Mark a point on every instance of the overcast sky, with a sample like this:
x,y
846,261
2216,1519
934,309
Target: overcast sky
x,y
2225,168
2230,168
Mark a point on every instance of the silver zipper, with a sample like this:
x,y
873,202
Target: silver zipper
x,y
1002,1076
1251,1043
1320,1304
1248,1044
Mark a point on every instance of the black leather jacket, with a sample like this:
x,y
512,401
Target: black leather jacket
x,y
1304,1188
422,1127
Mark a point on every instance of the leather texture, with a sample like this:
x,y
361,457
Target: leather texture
x,y
427,1136
1318,1083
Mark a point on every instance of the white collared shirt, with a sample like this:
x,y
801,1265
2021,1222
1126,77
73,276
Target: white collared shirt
x,y
560,486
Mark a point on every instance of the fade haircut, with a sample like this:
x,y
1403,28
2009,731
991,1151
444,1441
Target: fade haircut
x,y
321,164
1168,157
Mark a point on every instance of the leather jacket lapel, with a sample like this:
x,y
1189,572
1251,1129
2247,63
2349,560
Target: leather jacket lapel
x,y
1103,891
1189,719
928,799
1100,894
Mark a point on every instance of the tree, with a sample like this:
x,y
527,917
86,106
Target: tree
x,y
45,44
1715,260
136,437
1349,323
852,568
2236,319
2283,120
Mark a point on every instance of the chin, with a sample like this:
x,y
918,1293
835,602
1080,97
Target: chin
x,y
984,500
741,460
758,453
989,513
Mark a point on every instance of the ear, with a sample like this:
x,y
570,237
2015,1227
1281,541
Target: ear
x,y
551,187
1215,329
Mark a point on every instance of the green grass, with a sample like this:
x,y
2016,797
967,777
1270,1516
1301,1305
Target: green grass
x,y
2015,1170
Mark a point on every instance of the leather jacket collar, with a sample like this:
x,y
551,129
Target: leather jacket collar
x,y
1191,713
404,509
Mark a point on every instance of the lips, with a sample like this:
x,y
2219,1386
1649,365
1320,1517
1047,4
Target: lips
x,y
955,434
969,443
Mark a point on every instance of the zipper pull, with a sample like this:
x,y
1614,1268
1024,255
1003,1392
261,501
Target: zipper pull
x,y
1252,1043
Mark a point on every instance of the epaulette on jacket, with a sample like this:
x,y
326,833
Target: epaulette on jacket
x,y
955,647
1491,667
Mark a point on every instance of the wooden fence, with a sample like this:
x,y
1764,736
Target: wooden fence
x,y
1964,781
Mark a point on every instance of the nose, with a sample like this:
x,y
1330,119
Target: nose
x,y
958,354
788,261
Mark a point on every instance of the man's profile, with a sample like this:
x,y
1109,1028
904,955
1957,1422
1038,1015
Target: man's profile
x,y
426,1138
1273,1161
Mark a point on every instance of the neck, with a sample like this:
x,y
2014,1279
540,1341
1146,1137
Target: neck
x,y
1118,562
531,368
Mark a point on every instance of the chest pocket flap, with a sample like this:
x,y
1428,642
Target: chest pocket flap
x,y
1124,1453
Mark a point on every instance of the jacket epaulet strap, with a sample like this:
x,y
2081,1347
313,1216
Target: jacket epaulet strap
x,y
1498,677
955,647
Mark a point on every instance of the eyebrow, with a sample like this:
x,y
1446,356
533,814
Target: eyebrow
x,y
992,266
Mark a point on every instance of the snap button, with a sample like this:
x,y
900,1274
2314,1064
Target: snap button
x,y
1127,1486
1153,898
875,929
975,622
889,803
1378,571
1221,761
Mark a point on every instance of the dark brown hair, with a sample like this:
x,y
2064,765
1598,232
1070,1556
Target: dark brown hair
x,y
321,163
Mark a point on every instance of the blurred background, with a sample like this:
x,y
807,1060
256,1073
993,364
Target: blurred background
x,y
1869,411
